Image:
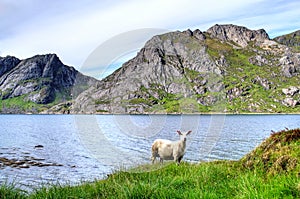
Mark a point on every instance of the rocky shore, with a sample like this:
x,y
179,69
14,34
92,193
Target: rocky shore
x,y
13,158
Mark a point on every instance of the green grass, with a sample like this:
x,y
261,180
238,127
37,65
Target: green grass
x,y
10,192
100,101
23,105
19,103
260,174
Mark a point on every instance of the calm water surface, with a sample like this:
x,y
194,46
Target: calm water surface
x,y
89,147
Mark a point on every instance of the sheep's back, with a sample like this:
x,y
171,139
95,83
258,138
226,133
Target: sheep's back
x,y
164,148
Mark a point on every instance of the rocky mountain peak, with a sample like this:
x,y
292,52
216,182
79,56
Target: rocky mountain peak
x,y
44,65
40,79
237,34
7,63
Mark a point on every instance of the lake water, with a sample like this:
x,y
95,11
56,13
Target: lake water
x,y
78,148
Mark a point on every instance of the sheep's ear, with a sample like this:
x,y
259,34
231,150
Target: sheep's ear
x,y
188,132
179,132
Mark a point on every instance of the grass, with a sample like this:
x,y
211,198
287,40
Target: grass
x,y
20,104
263,173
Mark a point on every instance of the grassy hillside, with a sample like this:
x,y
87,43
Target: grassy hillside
x,y
269,171
250,87
21,104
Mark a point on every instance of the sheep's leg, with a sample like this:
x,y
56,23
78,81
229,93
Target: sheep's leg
x,y
179,159
154,154
176,159
161,160
153,159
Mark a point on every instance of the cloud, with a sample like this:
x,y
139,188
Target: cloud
x,y
74,29
113,52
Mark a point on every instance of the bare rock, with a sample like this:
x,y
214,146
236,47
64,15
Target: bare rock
x,y
7,63
292,39
188,32
40,79
291,91
39,146
199,35
290,64
263,82
238,34
290,102
258,60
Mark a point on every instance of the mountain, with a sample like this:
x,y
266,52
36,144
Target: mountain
x,y
35,84
227,68
291,40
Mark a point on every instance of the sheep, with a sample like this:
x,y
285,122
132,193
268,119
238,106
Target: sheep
x,y
169,150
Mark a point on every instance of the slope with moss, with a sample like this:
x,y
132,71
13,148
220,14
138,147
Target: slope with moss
x,y
279,154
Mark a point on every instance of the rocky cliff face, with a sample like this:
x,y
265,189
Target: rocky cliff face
x,y
237,34
228,68
7,63
291,40
42,79
162,68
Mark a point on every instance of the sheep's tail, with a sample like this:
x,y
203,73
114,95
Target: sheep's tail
x,y
154,147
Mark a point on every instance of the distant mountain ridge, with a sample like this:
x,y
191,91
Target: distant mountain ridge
x,y
291,40
31,84
228,68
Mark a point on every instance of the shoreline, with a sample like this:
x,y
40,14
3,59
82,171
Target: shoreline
x,y
207,113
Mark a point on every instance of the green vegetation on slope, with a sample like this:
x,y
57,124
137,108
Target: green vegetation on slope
x,y
21,104
18,104
247,87
270,171
245,78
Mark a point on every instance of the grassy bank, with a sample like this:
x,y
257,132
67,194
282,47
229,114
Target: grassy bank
x,y
270,171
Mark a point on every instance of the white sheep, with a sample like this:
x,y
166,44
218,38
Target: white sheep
x,y
169,150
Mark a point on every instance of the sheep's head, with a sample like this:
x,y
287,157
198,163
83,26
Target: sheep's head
x,y
183,135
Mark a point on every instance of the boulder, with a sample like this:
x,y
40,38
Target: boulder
x,y
291,91
258,60
290,64
290,102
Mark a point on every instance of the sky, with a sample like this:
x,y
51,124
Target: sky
x,y
112,31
